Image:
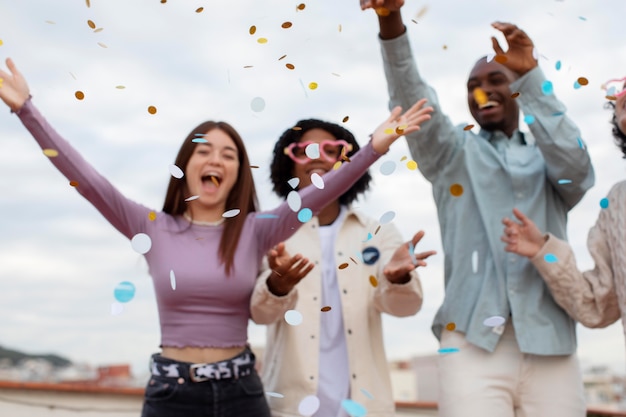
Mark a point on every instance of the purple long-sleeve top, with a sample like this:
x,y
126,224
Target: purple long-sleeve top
x,y
206,308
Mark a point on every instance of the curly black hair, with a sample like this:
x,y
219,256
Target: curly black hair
x,y
618,135
282,166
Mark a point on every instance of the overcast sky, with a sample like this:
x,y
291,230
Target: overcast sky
x,y
60,261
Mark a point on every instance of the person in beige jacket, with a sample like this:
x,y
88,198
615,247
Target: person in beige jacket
x,y
597,297
333,363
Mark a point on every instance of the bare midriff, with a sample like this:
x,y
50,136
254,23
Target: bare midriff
x,y
200,354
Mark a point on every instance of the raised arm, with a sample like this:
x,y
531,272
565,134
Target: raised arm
x,y
588,297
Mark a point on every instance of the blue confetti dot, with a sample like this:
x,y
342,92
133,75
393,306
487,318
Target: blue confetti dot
x,y
584,19
550,258
448,350
564,181
558,113
367,393
353,408
580,143
199,140
547,88
576,85
558,65
124,292
266,216
529,119
305,215
604,203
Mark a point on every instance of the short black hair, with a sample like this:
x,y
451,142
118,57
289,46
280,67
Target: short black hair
x,y
282,165
618,135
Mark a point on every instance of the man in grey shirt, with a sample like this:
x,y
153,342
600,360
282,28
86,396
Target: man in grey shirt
x,y
507,348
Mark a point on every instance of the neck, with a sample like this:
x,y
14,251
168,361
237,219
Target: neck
x,y
206,216
329,214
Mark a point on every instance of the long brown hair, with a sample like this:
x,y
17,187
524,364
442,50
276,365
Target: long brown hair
x,y
242,196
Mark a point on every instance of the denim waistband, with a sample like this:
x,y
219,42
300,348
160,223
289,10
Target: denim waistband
x,y
237,367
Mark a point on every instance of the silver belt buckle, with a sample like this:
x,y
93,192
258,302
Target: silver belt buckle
x,y
192,373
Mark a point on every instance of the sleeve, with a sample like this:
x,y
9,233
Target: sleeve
x,y
400,300
588,297
557,137
284,222
436,141
265,307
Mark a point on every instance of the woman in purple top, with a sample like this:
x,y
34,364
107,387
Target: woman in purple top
x,y
203,264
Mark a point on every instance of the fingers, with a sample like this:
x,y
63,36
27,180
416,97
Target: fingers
x,y
521,216
11,66
496,46
425,255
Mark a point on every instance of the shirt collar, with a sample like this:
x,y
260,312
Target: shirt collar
x,y
497,136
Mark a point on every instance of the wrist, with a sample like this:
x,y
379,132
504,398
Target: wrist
x,y
273,288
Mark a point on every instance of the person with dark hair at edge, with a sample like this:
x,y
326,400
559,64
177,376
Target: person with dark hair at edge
x,y
205,367
596,297
507,348
346,271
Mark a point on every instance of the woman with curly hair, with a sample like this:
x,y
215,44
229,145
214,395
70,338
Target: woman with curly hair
x,y
597,297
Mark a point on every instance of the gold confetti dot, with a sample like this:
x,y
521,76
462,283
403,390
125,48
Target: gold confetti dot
x,y
296,128
500,59
282,57
152,109
252,30
79,95
1,80
50,153
400,129
404,158
450,327
120,87
515,95
313,85
301,6
388,131
611,98
74,183
377,229
480,96
88,3
98,30
248,66
352,259
325,309
345,119
456,190
290,66
582,81
199,9
1,42
445,47
421,12
339,28
100,44
337,165
254,166
286,25
50,22
412,165
468,127
262,41
373,281
343,265
382,11
152,216
91,24
163,1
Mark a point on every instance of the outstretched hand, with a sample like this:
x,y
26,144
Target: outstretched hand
x,y
287,271
404,260
398,124
522,238
391,5
13,88
519,56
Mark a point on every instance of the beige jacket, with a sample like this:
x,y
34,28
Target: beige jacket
x,y
595,298
290,364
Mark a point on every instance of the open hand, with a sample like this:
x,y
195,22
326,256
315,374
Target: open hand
x,y
287,271
391,5
404,260
522,238
519,56
398,124
13,88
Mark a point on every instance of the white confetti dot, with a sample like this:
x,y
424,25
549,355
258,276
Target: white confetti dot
x,y
294,201
293,317
193,197
141,243
257,104
494,321
274,394
313,150
231,213
475,261
388,167
317,180
176,172
387,217
172,279
309,405
116,309
293,183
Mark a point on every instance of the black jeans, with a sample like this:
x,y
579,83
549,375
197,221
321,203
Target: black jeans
x,y
172,392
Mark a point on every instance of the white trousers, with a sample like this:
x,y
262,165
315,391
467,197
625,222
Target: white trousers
x,y
507,383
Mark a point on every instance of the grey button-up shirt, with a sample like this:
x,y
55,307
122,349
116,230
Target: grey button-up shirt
x,y
543,173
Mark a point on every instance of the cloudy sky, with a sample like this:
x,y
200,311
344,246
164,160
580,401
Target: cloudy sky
x,y
60,261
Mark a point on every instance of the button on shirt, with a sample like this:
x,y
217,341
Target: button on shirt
x,y
497,173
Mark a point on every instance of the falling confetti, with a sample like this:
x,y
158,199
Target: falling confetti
x,y
500,59
582,81
293,183
450,327
369,237
317,180
262,41
294,201
172,279
141,243
475,261
309,405
305,215
336,165
193,197
88,3
353,408
412,165
266,216
421,12
301,6
468,127
152,216
312,151
252,30
557,65
550,258
286,25
565,181
494,321
456,190
547,88
231,213
325,309
79,95
120,87
312,85
345,119
529,119
480,96
257,104
290,66
199,9
387,217
604,203
387,167
293,317
51,153
1,43
382,11
443,351
176,172
274,394
343,265
101,45
152,109
282,57
373,281
124,291
116,309
515,95
91,24
74,184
